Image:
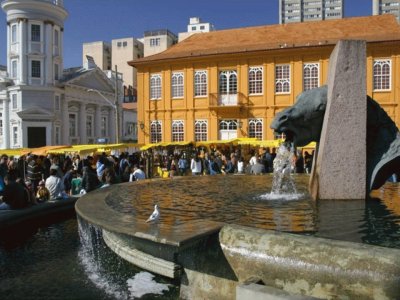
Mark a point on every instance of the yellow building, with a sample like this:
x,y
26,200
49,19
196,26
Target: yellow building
x,y
231,83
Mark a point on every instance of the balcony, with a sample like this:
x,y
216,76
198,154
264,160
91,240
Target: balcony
x,y
233,100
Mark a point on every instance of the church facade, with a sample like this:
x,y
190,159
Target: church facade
x,y
40,103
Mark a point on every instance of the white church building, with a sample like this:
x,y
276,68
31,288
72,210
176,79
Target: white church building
x,y
40,103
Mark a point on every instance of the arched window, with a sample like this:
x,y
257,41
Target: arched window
x,y
382,74
177,85
200,130
178,131
155,131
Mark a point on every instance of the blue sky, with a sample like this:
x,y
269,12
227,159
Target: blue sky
x,y
95,20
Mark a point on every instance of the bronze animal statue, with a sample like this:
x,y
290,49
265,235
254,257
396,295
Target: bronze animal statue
x,y
302,124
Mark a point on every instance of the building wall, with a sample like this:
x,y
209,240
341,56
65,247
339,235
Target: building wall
x,y
124,50
101,53
309,10
263,106
380,7
157,41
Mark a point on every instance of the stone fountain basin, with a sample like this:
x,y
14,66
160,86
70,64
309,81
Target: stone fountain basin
x,y
194,243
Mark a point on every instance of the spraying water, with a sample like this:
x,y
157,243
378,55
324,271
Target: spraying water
x,y
283,182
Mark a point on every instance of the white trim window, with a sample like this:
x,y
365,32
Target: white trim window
x,y
15,135
36,69
155,87
228,82
177,84
200,83
14,101
57,103
89,126
282,79
35,33
73,124
155,42
310,76
57,135
14,68
104,126
14,33
178,131
256,128
382,74
255,80
200,130
155,131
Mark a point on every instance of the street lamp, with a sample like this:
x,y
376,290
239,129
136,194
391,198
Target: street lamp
x,y
115,107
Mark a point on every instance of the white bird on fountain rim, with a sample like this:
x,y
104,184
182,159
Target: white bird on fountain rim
x,y
155,215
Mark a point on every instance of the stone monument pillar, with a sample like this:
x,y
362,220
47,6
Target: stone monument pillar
x,y
339,169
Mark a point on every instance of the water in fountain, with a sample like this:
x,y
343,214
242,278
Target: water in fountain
x,y
117,278
283,185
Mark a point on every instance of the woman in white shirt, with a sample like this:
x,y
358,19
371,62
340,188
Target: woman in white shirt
x,y
195,165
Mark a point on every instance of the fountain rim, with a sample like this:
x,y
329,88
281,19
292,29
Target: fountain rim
x,y
92,207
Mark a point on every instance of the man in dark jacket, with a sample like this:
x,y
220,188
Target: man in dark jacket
x,y
89,179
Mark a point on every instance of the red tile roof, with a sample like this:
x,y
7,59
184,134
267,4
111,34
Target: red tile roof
x,y
328,32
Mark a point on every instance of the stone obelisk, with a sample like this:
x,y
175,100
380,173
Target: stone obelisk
x,y
339,169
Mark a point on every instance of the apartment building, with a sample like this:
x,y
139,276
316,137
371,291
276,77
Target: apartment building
x,y
101,53
231,83
156,41
309,10
196,25
380,7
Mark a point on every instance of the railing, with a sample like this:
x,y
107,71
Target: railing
x,y
227,100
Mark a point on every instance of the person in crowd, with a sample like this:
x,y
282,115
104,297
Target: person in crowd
x,y
67,179
55,185
229,166
90,180
14,195
267,160
307,162
257,168
240,165
76,183
3,165
214,167
100,166
195,165
13,170
173,166
123,163
109,177
299,162
206,164
55,164
253,159
35,172
29,192
43,193
182,164
138,173
126,174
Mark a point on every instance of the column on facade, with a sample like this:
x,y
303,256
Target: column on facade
x,y
49,53
112,130
65,122
82,123
22,63
6,123
97,122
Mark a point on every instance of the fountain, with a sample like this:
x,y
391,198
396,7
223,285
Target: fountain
x,y
220,239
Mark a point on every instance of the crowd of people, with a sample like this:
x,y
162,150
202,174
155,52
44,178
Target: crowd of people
x,y
228,162
30,180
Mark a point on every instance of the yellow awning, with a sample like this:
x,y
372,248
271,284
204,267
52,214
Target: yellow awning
x,y
42,151
263,143
164,144
12,152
